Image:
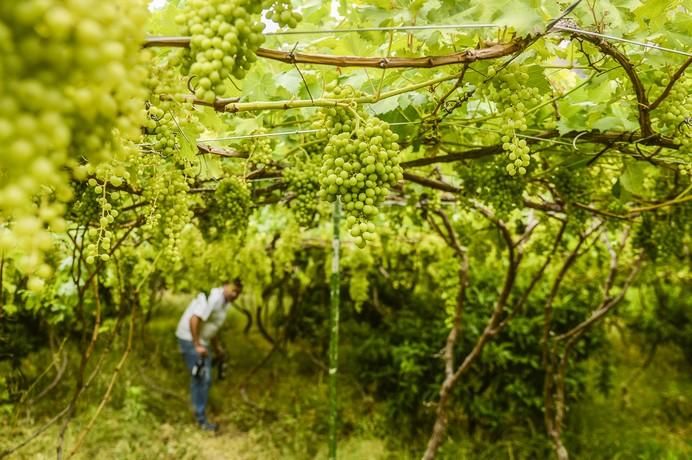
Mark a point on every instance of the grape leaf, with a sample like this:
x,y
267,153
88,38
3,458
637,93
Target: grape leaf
x,y
385,105
290,80
632,177
162,22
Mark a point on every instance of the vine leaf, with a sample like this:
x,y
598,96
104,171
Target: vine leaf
x,y
290,81
163,22
632,177
385,105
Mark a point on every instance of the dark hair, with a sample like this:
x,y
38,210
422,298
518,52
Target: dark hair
x,y
237,282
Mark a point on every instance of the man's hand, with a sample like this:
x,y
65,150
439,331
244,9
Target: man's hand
x,y
201,350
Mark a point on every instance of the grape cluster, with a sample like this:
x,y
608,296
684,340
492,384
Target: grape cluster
x,y
358,265
675,119
517,153
513,99
488,182
164,109
228,210
360,163
662,234
314,147
573,184
164,189
282,13
85,209
225,34
302,179
71,88
96,208
259,150
161,131
102,234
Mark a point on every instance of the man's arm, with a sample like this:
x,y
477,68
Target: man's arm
x,y
195,325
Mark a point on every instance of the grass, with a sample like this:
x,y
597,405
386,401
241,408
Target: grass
x,y
284,415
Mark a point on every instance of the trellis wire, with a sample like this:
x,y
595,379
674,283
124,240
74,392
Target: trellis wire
x,y
624,40
400,123
253,136
525,136
385,29
471,26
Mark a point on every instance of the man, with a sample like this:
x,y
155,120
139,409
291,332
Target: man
x,y
197,330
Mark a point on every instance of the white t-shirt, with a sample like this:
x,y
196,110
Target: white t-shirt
x,y
212,311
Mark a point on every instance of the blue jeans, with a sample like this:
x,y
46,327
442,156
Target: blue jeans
x,y
199,386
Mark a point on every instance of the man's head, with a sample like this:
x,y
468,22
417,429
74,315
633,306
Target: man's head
x,y
232,289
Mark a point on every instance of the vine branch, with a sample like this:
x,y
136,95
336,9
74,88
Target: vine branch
x,y
492,51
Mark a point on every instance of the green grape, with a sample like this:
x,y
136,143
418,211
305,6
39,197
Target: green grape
x,y
357,264
517,154
259,150
314,147
674,118
360,163
160,131
573,184
164,189
662,233
489,182
303,180
164,109
227,211
512,99
71,89
281,12
225,34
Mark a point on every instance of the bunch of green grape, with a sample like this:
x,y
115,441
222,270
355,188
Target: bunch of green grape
x,y
228,210
338,119
101,235
662,234
71,89
572,184
96,207
164,105
303,181
674,118
164,190
360,164
488,182
85,208
281,12
513,99
517,153
160,131
225,34
357,265
259,150
314,147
